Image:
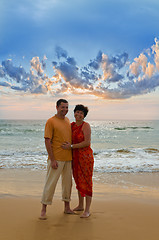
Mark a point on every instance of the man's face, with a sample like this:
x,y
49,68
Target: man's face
x,y
62,109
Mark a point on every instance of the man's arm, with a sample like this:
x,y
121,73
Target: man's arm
x,y
48,146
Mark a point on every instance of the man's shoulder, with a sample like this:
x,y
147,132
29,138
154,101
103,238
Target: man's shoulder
x,y
67,119
50,121
56,121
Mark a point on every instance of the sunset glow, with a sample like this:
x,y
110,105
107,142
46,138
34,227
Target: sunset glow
x,y
98,67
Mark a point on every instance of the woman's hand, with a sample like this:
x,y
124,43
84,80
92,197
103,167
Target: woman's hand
x,y
66,145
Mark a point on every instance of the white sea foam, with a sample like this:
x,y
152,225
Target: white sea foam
x,y
124,160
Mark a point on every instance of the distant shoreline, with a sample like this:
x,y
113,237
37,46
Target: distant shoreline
x,y
71,119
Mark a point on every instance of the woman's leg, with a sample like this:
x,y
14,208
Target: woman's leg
x,y
87,208
81,202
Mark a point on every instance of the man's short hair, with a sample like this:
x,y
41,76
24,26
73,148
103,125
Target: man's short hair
x,y
60,101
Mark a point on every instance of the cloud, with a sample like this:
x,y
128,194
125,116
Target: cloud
x,y
18,79
15,73
4,84
109,77
2,74
110,69
60,52
96,62
37,65
149,70
155,49
139,65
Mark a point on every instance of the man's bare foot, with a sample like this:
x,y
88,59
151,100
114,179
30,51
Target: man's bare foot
x,y
43,212
78,208
85,215
43,215
69,211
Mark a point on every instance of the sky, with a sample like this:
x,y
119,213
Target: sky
x,y
103,54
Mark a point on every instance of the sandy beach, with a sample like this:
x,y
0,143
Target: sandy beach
x,y
125,206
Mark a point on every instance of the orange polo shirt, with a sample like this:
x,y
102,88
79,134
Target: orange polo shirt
x,y
59,131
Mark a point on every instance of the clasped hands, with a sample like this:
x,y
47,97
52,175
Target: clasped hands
x,y
66,145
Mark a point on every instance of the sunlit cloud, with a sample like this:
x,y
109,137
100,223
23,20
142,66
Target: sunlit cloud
x,y
108,77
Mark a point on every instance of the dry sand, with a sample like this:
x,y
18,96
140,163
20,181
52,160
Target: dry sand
x,y
118,211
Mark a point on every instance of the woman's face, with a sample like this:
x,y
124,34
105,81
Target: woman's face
x,y
79,115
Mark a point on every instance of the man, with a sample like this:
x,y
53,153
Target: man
x,y
58,131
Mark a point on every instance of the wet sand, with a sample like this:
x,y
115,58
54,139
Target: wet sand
x,y
125,206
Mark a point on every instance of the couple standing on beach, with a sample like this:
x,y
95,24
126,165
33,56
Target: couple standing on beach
x,y
66,142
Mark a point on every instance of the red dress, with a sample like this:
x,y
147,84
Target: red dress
x,y
82,162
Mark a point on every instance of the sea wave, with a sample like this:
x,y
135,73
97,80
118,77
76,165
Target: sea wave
x,y
110,160
127,160
118,146
18,131
133,128
152,150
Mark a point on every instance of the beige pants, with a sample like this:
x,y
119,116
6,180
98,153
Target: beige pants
x,y
65,170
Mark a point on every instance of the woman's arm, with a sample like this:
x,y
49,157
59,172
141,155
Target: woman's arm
x,y
87,138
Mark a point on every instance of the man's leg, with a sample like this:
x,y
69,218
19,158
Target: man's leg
x,y
50,185
67,186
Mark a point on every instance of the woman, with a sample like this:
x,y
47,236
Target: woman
x,y
82,158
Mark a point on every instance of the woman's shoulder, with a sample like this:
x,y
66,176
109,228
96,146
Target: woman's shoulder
x,y
72,123
86,125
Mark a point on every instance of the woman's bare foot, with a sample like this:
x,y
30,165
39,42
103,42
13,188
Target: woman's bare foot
x,y
85,215
78,208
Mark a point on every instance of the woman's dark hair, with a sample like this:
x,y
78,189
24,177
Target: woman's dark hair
x,y
82,108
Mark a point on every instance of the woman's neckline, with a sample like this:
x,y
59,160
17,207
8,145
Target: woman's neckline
x,y
79,124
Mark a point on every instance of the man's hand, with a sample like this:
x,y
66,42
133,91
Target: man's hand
x,y
66,145
54,164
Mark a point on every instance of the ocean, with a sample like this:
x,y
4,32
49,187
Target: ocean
x,y
118,146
